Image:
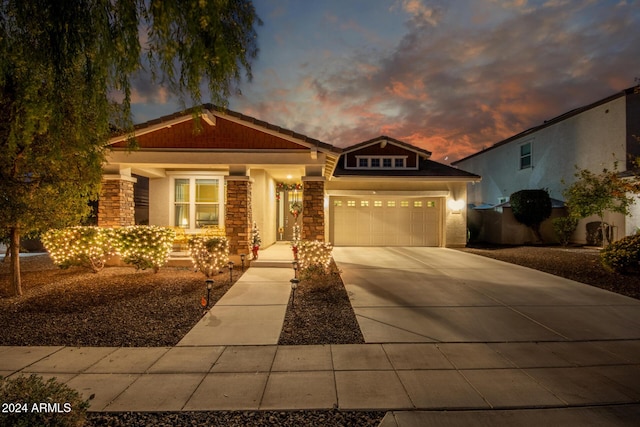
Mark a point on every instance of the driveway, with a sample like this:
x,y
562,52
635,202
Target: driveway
x,y
444,295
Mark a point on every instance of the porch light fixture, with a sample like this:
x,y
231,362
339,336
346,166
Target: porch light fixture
x,y
209,283
242,257
230,265
456,206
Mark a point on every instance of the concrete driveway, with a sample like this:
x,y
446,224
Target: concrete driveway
x,y
443,295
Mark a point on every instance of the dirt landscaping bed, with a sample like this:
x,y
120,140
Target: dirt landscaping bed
x,y
581,264
118,306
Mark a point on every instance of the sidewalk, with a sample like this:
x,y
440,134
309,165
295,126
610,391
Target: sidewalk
x,y
394,377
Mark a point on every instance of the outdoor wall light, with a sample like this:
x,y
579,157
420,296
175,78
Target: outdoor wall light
x,y
456,206
230,264
242,257
209,283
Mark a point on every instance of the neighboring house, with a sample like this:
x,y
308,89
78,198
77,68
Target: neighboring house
x,y
235,170
592,137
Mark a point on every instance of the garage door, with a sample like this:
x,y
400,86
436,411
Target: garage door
x,y
390,221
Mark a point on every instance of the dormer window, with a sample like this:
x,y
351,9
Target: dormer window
x,y
381,162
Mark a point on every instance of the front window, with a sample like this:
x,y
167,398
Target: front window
x,y
197,202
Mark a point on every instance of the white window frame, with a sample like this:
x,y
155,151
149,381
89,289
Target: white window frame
x,y
192,177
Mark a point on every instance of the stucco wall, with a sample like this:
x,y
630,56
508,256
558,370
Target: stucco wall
x,y
159,206
263,205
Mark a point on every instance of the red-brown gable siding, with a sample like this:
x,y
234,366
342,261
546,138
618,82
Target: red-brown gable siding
x,y
224,135
376,150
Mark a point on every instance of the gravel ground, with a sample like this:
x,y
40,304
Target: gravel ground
x,y
116,307
239,418
320,313
581,264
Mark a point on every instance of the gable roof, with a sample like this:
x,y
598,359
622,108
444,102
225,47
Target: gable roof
x,y
182,122
386,139
553,121
427,169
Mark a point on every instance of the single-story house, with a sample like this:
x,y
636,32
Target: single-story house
x,y
596,136
230,170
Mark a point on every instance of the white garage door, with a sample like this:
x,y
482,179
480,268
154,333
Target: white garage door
x,y
385,221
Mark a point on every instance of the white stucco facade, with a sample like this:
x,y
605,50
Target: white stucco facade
x,y
594,137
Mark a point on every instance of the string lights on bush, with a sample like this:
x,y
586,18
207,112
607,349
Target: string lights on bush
x,y
209,255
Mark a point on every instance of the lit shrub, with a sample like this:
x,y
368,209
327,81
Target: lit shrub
x,y
314,254
144,246
209,254
64,406
622,256
88,247
564,228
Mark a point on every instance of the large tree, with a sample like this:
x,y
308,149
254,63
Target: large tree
x,y
66,69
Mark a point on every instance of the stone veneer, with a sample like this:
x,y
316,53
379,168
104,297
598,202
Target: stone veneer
x,y
313,209
238,215
116,207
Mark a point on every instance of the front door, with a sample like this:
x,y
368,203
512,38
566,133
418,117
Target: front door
x,y
289,203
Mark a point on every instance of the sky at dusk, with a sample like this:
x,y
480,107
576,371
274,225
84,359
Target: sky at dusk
x,y
448,76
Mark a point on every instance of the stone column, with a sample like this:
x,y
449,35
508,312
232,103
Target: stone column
x,y
116,207
313,208
238,216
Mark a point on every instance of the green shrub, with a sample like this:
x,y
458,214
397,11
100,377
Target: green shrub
x,y
622,256
314,253
209,254
39,403
564,227
144,246
88,247
531,208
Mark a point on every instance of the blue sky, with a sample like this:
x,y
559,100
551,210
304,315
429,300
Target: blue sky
x,y
449,76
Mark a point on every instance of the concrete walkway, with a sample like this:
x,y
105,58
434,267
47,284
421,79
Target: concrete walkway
x,y
486,341
252,311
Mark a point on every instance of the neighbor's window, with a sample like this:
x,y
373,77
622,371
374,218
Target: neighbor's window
x,y
525,155
197,202
375,163
363,162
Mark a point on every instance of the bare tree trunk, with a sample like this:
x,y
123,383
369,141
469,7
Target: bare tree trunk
x,y
15,262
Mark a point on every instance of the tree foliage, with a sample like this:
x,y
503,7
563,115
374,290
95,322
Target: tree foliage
x,y
531,208
595,194
66,72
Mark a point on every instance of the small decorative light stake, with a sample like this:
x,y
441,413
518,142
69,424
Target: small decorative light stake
x,y
295,268
230,264
242,257
294,286
209,283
